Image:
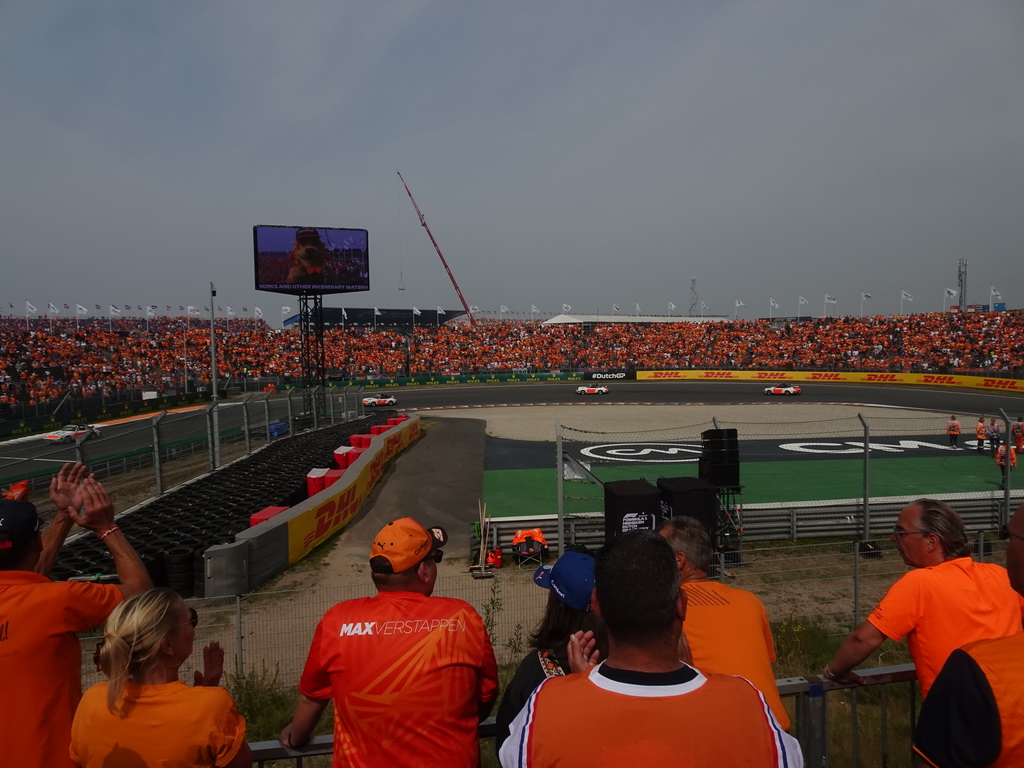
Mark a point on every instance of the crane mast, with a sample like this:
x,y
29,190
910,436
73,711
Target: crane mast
x,y
423,221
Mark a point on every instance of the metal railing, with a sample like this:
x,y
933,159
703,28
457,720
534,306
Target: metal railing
x,y
811,725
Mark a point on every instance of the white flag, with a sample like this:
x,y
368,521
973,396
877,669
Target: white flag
x,y
533,308
865,296
474,308
114,310
82,310
906,296
193,311
344,314
376,311
504,309
441,311
285,311
638,307
415,311
566,308
53,308
802,300
257,311
231,312
772,302
951,293
30,307
671,306
615,307
830,299
150,311
994,293
740,303
704,306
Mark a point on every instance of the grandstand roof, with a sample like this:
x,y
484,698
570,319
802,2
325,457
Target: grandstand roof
x,y
634,319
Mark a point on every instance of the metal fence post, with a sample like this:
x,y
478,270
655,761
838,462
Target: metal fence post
x,y
210,427
245,424
560,484
981,547
330,397
865,510
157,465
856,583
241,635
316,399
266,413
291,416
1004,515
812,725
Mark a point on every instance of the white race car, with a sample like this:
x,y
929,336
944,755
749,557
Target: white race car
x,y
376,400
782,389
69,433
598,390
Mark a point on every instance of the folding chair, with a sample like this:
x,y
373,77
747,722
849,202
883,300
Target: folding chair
x,y
529,547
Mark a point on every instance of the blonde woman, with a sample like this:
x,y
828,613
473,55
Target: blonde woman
x,y
143,714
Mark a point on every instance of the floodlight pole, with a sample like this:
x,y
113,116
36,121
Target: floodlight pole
x,y
215,419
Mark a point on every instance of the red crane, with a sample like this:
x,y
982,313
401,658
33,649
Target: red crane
x,y
423,221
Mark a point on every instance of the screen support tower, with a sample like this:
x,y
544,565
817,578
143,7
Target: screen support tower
x,y
311,351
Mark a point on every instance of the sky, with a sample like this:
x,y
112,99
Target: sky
x,y
585,152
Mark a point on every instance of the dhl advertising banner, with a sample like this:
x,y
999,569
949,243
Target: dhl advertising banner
x,y
850,377
335,506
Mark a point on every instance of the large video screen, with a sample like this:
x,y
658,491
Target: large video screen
x,y
311,259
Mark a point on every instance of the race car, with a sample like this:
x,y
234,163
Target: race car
x,y
598,390
782,389
69,433
375,400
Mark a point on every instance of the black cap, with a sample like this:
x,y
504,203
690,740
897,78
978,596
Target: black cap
x,y
19,522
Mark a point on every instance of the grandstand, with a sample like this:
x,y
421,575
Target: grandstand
x,y
44,362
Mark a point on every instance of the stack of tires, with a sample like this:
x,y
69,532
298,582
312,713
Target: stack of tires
x,y
172,532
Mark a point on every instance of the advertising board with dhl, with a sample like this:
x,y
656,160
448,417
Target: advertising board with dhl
x,y
336,506
850,377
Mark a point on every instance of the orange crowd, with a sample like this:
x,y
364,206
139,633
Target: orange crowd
x,y
52,360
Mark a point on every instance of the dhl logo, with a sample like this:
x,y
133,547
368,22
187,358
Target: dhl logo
x,y
718,375
666,375
825,377
881,377
937,380
1016,386
332,514
767,375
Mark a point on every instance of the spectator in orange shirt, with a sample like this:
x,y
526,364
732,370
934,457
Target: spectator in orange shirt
x,y
947,600
40,656
726,628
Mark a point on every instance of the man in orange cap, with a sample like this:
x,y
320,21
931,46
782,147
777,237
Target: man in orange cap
x,y
411,675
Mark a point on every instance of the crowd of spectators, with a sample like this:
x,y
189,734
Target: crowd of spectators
x,y
55,358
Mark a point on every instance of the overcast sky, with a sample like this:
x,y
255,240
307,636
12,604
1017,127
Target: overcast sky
x,y
585,152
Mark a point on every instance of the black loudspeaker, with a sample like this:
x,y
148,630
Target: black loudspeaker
x,y
720,458
690,496
630,505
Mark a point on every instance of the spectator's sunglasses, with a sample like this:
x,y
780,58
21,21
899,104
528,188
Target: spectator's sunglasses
x,y
1005,533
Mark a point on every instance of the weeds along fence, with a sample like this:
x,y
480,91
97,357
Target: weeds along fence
x,y
826,584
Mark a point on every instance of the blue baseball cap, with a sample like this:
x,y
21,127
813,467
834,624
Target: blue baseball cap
x,y
571,579
19,522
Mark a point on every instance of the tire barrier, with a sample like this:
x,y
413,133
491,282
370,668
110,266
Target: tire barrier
x,y
172,532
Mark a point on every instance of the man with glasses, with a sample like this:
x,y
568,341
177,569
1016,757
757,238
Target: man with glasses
x,y
975,712
411,675
947,600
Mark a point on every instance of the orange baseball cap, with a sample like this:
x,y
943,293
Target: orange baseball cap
x,y
403,543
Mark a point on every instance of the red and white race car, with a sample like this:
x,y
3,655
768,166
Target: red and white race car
x,y
69,433
375,400
601,389
782,389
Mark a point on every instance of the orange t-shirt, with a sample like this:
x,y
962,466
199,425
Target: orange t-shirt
x,y
728,633
409,675
166,724
41,661
942,607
